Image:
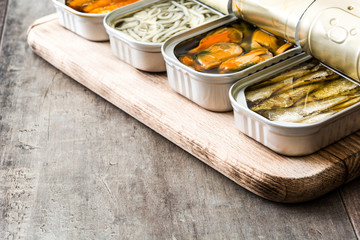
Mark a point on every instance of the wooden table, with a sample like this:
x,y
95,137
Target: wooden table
x,y
73,166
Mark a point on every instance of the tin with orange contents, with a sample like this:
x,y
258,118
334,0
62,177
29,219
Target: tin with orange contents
x,y
203,63
85,17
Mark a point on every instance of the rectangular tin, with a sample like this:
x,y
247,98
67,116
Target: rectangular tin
x,y
145,56
87,25
292,139
208,90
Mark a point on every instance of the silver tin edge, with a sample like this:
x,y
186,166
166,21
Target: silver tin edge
x,y
126,10
77,13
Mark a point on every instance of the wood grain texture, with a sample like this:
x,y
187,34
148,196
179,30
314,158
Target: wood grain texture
x,y
351,197
148,98
348,150
74,166
3,8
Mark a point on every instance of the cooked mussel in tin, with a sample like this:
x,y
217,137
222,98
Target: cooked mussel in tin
x,y
241,62
222,35
217,53
307,93
204,53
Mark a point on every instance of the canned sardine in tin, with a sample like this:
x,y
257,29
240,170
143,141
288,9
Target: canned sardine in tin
x,y
298,107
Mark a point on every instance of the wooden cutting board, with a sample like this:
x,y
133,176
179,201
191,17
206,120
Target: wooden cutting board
x,y
209,136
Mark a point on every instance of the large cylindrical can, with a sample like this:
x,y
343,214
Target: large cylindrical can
x,y
223,6
330,31
279,17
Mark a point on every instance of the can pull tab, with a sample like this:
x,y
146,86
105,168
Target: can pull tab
x,y
333,36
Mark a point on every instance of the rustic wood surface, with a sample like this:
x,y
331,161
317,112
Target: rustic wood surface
x,y
212,137
73,166
3,8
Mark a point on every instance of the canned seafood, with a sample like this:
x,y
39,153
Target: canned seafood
x,y
296,108
85,24
137,34
204,62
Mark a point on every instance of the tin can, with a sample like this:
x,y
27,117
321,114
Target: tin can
x,y
329,31
293,138
208,90
326,29
87,25
279,17
140,54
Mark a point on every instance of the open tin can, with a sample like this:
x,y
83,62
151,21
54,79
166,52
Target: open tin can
x,y
87,25
138,33
209,89
299,114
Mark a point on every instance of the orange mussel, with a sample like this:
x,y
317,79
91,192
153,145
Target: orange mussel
x,y
274,44
214,55
228,34
97,6
244,61
230,48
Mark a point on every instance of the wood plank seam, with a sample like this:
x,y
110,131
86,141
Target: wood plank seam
x,y
346,168
348,213
4,4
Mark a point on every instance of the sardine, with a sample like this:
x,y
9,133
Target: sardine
x,y
296,114
286,99
255,96
317,117
311,78
353,100
294,74
335,87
